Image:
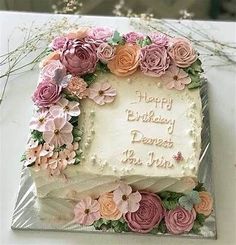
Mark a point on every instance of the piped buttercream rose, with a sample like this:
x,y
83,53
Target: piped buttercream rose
x,y
46,94
100,33
58,43
79,57
206,205
182,53
79,33
154,60
179,220
126,60
149,214
133,37
105,52
54,71
108,208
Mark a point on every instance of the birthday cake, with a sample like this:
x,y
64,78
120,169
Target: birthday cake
x,y
117,129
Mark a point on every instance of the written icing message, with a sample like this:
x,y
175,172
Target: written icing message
x,y
153,116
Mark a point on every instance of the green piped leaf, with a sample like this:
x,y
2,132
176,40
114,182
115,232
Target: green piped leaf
x,y
144,42
36,135
200,187
119,225
198,223
89,78
101,67
170,199
116,39
23,158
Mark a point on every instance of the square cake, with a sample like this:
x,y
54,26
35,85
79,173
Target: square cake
x,y
117,128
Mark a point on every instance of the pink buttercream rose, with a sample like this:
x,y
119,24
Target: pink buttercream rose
x,y
58,43
179,220
100,33
46,94
149,214
54,71
154,60
159,39
105,52
133,37
182,52
79,57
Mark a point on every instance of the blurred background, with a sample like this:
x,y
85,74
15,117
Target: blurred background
x,y
195,9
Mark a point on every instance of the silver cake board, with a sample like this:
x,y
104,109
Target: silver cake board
x,y
51,214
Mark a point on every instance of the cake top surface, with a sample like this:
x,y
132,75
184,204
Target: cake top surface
x,y
117,104
148,130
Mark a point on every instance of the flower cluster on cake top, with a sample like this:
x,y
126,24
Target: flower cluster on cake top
x,y
145,212
68,75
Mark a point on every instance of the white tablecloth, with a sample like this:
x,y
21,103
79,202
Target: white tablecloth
x,y
15,112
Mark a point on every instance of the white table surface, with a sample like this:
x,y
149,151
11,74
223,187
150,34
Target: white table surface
x,y
15,112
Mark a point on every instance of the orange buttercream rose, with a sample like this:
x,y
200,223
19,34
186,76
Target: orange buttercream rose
x,y
126,60
52,56
79,33
108,208
206,204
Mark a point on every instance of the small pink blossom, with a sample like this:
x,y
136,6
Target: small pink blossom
x,y
56,164
87,211
175,78
102,93
39,120
58,132
125,200
32,154
65,108
47,150
70,107
68,156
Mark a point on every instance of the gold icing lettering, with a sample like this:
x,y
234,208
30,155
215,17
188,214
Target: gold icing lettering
x,y
158,162
163,103
130,158
138,137
150,117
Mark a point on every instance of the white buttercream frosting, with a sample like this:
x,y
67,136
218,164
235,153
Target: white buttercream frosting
x,y
146,121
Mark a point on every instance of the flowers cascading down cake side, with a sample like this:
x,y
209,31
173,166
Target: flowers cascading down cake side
x,y
117,129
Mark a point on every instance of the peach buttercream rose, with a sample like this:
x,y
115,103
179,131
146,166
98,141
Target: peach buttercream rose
x,y
79,33
206,205
126,60
108,208
52,56
182,52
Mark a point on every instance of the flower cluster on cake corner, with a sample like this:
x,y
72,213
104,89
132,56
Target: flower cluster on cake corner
x,y
67,78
